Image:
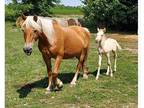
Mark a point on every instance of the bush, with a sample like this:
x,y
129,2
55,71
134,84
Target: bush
x,y
12,11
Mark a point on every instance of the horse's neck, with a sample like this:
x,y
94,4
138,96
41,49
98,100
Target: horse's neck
x,y
43,40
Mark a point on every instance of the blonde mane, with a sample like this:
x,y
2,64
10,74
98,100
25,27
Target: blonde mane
x,y
43,25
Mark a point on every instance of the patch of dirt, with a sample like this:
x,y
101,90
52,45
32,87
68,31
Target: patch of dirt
x,y
123,37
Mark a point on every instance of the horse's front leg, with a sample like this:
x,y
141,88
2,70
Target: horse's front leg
x,y
47,60
55,80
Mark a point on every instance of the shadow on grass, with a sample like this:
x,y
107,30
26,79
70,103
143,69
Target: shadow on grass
x,y
43,83
102,71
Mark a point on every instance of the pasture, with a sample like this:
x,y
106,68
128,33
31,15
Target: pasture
x,y
26,77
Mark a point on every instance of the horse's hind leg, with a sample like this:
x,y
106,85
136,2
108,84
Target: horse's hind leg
x,y
73,82
84,67
79,66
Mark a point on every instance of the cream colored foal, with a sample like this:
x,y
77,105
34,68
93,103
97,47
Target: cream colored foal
x,y
105,46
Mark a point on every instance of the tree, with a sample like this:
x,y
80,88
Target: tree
x,y
115,14
40,7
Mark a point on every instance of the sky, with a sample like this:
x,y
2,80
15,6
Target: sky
x,y
71,2
65,2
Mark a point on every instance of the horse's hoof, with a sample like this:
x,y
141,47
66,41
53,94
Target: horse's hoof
x,y
72,84
48,91
60,86
85,76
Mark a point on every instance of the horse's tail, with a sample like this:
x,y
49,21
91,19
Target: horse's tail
x,y
118,46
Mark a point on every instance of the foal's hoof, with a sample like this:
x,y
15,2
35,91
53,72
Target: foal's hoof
x,y
96,78
107,73
85,76
111,75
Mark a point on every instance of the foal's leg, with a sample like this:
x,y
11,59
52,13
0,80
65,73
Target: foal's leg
x,y
99,66
115,60
108,67
55,80
109,64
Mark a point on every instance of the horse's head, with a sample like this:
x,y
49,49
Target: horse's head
x,y
100,34
31,31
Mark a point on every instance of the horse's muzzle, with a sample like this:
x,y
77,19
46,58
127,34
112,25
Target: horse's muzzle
x,y
27,50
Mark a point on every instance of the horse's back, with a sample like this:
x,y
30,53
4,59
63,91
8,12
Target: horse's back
x,y
83,33
110,44
75,41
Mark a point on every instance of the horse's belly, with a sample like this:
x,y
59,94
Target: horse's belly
x,y
72,51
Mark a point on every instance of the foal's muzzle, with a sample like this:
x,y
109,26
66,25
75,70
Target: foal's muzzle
x,y
27,50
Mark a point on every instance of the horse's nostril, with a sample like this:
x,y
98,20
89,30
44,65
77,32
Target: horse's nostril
x,y
27,50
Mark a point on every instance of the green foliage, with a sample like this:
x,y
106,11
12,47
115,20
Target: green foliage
x,y
29,7
115,14
12,11
40,7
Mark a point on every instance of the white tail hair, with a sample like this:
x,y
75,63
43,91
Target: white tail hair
x,y
118,46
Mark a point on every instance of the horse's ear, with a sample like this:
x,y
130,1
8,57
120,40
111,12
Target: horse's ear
x,y
104,29
97,29
35,18
23,17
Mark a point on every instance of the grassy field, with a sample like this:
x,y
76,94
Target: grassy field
x,y
66,10
26,78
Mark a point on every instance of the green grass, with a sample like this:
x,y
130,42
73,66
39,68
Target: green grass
x,y
67,11
26,79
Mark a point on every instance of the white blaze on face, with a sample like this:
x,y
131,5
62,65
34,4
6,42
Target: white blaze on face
x,y
28,45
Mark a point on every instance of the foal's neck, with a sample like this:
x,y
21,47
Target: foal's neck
x,y
101,43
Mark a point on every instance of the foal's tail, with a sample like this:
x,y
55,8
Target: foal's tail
x,y
118,46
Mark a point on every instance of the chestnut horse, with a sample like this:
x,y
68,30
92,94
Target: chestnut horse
x,y
55,41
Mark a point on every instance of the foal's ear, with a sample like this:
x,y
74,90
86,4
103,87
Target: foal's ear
x,y
35,18
98,29
23,17
104,29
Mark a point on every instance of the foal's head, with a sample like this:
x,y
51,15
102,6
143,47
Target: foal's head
x,y
30,29
100,34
